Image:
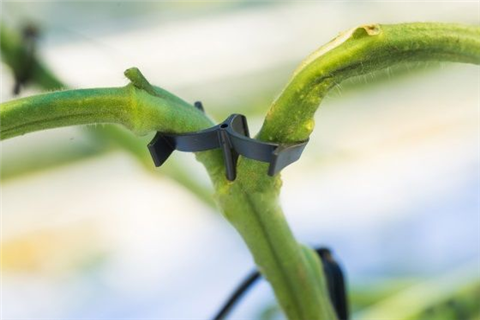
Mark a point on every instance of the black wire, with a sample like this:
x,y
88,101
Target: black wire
x,y
335,282
237,295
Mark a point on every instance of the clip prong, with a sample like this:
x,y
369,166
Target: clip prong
x,y
199,105
232,136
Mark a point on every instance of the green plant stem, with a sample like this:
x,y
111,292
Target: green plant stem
x,y
250,203
130,106
357,52
360,51
171,169
13,55
457,290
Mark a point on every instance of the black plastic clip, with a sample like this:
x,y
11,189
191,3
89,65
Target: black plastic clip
x,y
233,138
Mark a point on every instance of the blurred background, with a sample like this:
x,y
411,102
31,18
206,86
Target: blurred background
x,y
389,181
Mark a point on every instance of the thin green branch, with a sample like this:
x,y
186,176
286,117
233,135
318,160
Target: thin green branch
x,y
15,54
130,106
359,51
171,169
454,296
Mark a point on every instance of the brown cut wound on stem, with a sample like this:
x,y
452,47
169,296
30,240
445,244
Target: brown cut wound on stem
x,y
372,29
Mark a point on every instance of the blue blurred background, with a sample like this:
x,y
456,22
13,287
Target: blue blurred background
x,y
389,180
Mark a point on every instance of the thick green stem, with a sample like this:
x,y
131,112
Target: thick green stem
x,y
357,52
250,203
292,271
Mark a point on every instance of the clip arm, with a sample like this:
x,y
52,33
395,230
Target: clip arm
x,y
278,155
160,149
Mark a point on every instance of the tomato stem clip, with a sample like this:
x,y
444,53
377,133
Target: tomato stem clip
x,y
232,136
